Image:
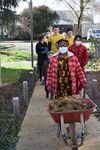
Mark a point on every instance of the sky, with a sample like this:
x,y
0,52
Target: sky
x,y
53,4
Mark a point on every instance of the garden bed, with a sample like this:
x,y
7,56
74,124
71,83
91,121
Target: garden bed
x,y
9,126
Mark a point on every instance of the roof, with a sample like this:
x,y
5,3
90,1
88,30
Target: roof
x,y
63,22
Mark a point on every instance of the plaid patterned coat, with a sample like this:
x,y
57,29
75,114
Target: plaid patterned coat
x,y
75,71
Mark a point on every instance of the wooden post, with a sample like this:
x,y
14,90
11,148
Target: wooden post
x,y
25,93
98,50
94,89
32,81
16,110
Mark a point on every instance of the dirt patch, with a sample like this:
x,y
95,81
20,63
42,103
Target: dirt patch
x,y
93,89
97,77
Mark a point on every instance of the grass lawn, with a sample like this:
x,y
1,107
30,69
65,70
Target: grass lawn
x,y
16,55
11,74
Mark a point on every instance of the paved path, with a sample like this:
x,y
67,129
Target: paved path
x,y
18,45
6,64
38,131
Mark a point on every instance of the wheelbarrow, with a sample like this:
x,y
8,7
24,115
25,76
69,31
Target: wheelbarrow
x,y
70,136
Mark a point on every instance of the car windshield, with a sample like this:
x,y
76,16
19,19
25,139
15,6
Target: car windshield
x,y
96,31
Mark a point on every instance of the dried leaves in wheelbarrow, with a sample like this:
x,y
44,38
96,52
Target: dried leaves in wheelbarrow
x,y
68,104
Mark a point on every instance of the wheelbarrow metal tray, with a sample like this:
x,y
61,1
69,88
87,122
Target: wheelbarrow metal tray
x,y
74,115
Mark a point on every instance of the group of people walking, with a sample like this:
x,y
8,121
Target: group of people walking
x,y
61,61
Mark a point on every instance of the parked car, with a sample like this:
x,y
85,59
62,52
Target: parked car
x,y
93,33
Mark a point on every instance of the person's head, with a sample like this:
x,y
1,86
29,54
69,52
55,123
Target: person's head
x,y
55,29
50,53
47,34
78,40
64,34
69,32
41,38
62,46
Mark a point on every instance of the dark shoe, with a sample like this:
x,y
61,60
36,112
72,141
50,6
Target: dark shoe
x,y
51,94
42,82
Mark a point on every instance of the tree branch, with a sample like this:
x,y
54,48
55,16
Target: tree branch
x,y
73,9
86,3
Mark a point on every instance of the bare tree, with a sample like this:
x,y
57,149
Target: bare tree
x,y
79,7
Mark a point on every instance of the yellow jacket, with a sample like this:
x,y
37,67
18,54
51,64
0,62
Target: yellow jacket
x,y
53,39
71,40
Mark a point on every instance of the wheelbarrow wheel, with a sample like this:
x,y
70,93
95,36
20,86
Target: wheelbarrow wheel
x,y
73,136
58,130
75,148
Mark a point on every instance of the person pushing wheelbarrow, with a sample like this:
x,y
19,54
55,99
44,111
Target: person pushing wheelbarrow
x,y
63,71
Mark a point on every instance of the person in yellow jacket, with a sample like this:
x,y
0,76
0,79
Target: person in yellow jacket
x,y
70,37
54,38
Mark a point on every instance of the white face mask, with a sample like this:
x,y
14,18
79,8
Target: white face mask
x,y
63,50
78,42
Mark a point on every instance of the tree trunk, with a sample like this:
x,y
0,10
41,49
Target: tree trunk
x,y
79,26
2,34
80,18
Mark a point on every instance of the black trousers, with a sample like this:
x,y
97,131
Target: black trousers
x,y
40,65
